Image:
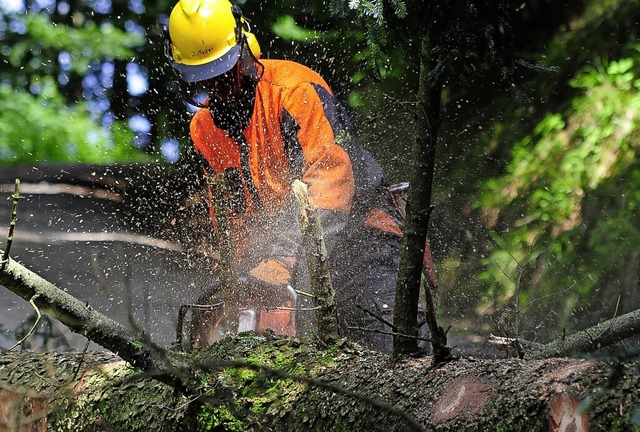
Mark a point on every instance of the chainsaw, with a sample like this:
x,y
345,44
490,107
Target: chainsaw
x,y
261,309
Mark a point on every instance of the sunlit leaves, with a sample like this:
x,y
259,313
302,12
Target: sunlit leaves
x,y
62,75
42,128
286,28
574,181
85,44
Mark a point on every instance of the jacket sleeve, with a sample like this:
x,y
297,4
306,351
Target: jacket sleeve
x,y
312,142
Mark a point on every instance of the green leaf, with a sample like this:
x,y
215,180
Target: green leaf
x,y
287,28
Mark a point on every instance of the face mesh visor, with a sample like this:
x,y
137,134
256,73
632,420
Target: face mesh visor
x,y
222,88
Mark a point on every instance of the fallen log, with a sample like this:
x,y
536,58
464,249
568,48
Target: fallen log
x,y
249,382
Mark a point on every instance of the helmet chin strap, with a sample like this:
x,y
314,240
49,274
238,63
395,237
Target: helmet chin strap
x,y
237,14
251,66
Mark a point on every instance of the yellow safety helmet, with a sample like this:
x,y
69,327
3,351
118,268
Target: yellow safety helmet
x,y
206,38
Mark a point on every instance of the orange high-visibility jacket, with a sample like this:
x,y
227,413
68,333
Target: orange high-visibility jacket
x,y
298,130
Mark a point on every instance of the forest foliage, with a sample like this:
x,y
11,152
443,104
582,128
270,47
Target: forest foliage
x,y
569,197
537,201
40,124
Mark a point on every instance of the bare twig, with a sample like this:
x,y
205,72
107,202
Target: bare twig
x,y
301,309
12,224
441,351
304,293
506,341
35,324
535,300
390,333
60,238
615,313
84,353
376,316
407,106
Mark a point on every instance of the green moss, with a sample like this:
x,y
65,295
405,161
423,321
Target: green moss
x,y
112,399
327,357
137,345
261,393
218,418
264,393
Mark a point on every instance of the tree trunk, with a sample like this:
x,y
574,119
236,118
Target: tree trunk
x,y
256,384
418,215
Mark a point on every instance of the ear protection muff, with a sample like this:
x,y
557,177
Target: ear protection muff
x,y
243,31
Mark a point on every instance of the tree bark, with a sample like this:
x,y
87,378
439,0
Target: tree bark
x,y
418,215
255,384
592,339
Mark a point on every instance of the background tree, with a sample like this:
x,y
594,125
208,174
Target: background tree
x,y
446,41
53,111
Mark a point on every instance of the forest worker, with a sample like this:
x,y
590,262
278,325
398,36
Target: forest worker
x,y
265,123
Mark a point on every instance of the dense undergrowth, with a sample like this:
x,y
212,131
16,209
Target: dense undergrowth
x,y
555,232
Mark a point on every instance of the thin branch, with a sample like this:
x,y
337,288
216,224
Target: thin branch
x,y
503,271
35,324
304,293
56,238
507,341
535,300
407,106
517,300
300,309
84,353
12,225
376,316
371,330
615,313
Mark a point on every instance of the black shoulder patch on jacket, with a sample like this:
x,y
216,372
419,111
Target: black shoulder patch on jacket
x,y
367,172
292,146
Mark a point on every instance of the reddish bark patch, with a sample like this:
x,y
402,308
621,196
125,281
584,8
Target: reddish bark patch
x,y
20,412
566,415
466,396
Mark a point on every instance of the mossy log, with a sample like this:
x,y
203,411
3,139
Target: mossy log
x,y
250,382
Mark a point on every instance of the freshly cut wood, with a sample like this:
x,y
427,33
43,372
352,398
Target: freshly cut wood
x,y
318,263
